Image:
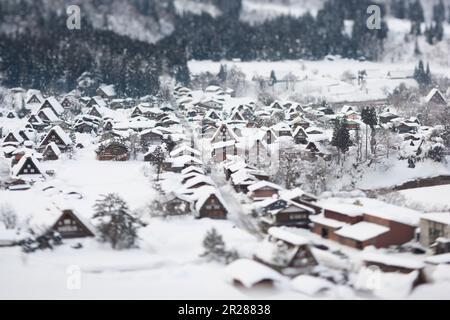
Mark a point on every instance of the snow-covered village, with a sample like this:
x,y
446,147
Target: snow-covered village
x,y
277,175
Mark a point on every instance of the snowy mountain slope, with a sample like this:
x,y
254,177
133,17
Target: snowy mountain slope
x,y
254,11
147,21
196,7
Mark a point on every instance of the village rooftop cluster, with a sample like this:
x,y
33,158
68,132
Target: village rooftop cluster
x,y
212,155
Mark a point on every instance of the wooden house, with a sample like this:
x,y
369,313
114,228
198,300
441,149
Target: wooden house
x,y
175,205
300,136
113,151
96,101
223,150
57,136
433,227
209,204
106,92
13,137
224,133
52,104
11,115
435,98
282,130
286,252
47,115
151,137
249,274
399,265
281,212
51,152
27,166
35,99
69,226
263,189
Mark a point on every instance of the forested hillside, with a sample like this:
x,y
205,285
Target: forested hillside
x,y
131,43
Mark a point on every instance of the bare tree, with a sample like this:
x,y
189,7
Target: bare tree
x,y
8,217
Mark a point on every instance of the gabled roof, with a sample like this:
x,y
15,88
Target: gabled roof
x,y
203,193
54,148
16,136
284,235
184,148
249,272
192,169
224,127
263,184
60,133
51,116
198,179
98,101
16,169
109,90
433,93
57,107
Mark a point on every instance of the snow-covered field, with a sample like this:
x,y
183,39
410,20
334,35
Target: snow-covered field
x,y
167,266
324,79
434,199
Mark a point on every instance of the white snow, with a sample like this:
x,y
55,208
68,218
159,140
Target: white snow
x,y
362,231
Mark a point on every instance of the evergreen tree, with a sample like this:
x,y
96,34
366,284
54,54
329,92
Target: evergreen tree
x,y
115,224
215,249
273,77
439,12
436,153
422,77
416,15
157,158
341,137
399,9
222,75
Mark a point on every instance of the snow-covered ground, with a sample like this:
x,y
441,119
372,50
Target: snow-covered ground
x,y
167,266
433,199
324,79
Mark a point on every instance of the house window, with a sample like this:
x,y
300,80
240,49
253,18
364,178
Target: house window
x,y
325,233
435,231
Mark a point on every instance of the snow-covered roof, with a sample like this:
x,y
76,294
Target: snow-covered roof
x,y
263,184
439,259
192,169
440,217
54,148
16,169
392,260
16,136
362,231
347,209
198,179
57,107
185,148
51,116
109,90
391,212
322,220
99,102
287,236
249,272
203,193
310,285
183,160
60,133
432,93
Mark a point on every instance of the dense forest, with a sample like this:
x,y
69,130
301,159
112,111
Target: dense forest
x,y
45,54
